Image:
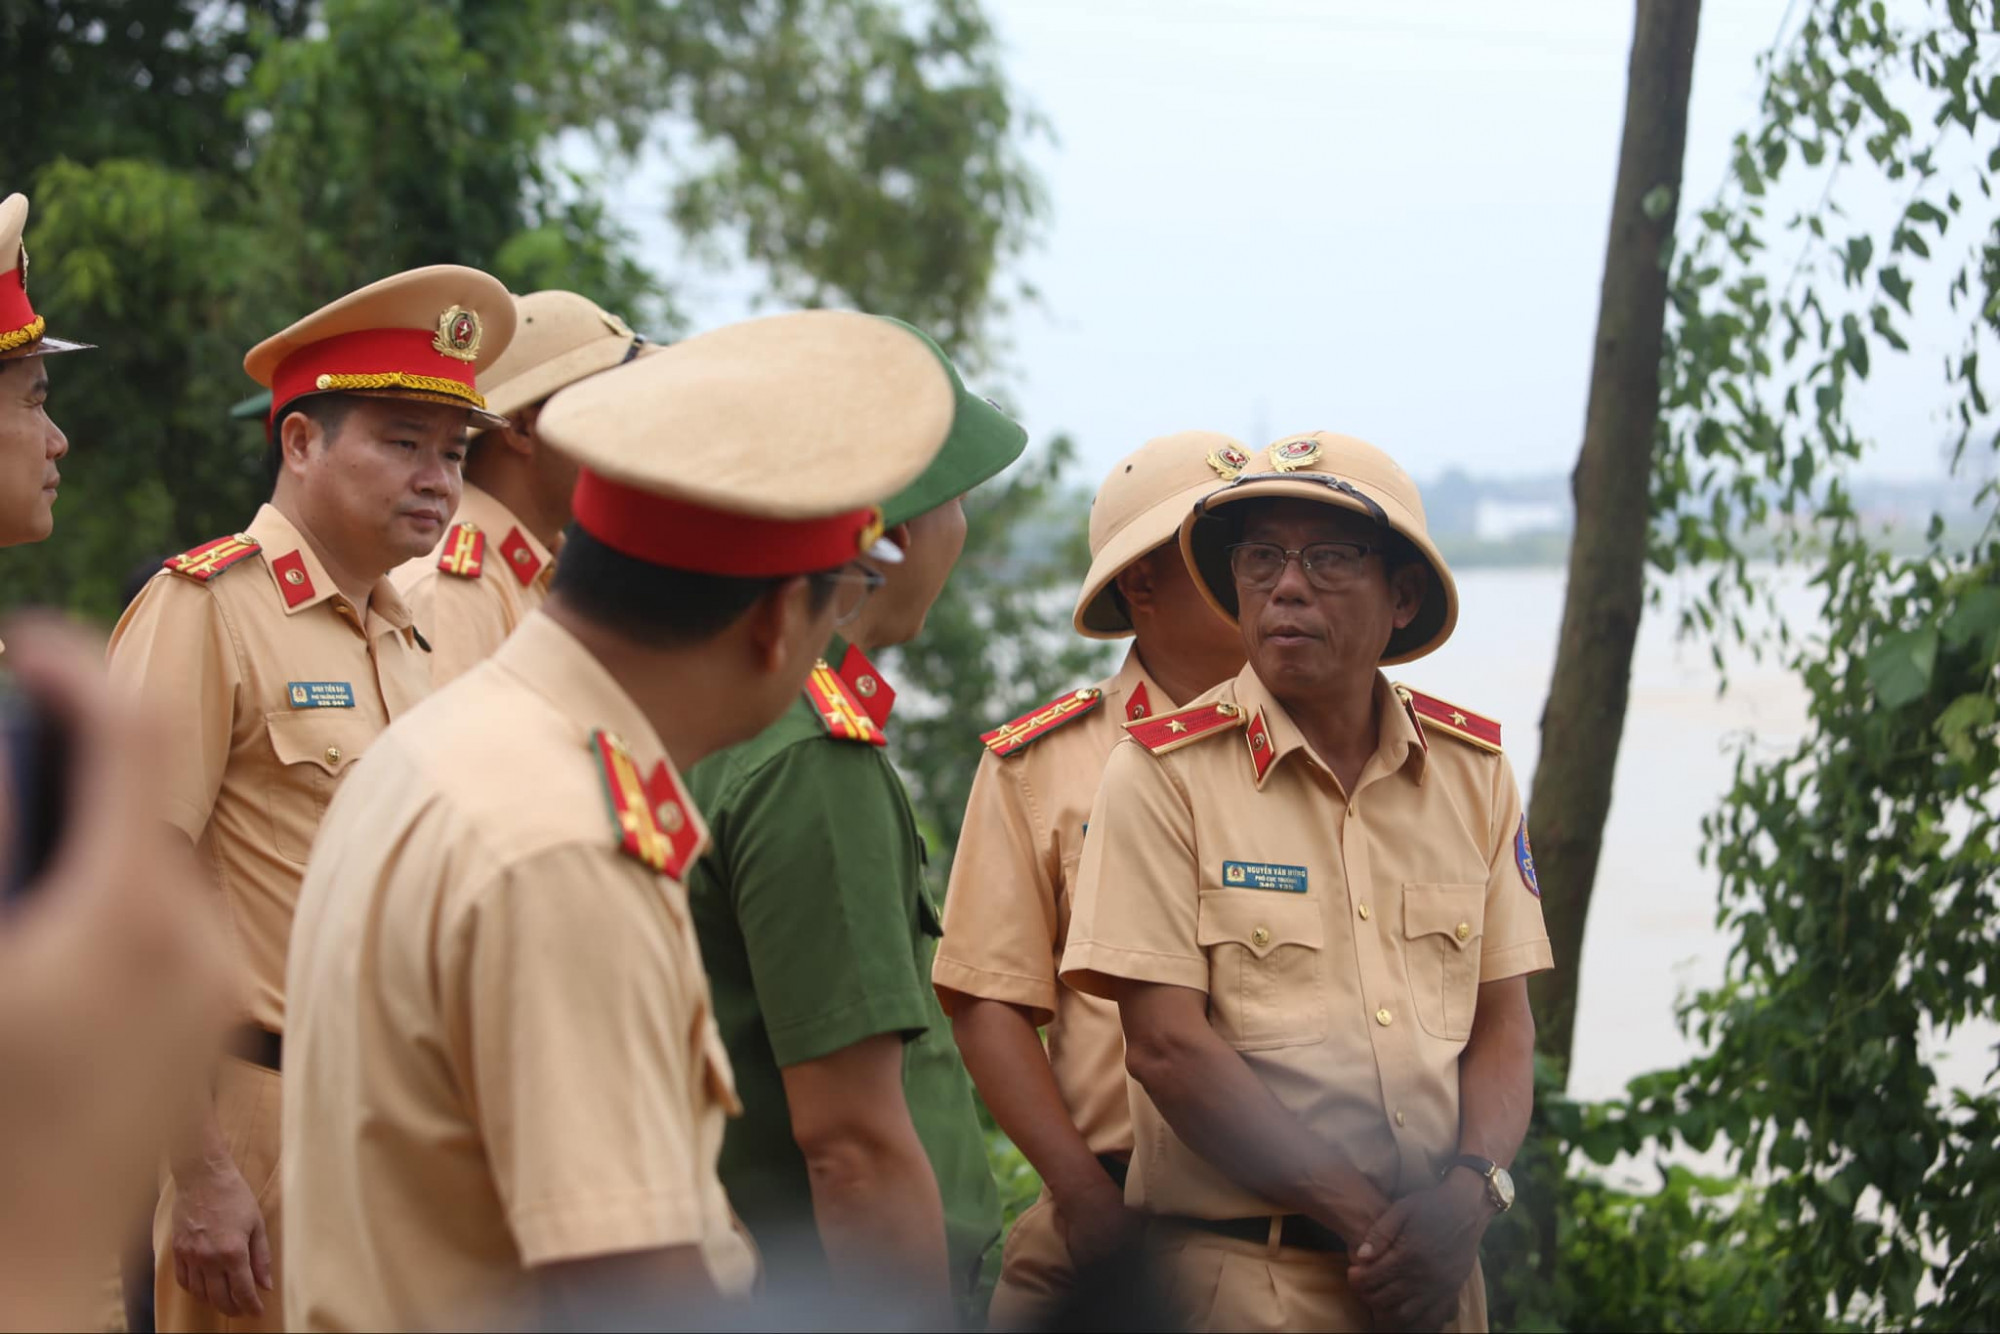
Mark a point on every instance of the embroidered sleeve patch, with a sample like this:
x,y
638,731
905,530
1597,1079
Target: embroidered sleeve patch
x,y
1524,857
1264,875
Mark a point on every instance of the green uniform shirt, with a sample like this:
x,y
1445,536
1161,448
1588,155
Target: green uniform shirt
x,y
818,931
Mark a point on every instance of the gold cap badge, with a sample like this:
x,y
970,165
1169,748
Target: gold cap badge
x,y
1295,454
871,532
458,334
1228,462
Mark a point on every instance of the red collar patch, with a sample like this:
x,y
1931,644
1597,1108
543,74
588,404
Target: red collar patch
x,y
840,712
1137,706
521,557
877,696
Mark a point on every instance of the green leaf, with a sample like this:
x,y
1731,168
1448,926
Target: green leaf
x,y
1896,285
1900,666
1658,203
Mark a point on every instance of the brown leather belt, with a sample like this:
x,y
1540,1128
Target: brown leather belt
x,y
258,1046
1294,1230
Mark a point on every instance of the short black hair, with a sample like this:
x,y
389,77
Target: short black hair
x,y
654,605
327,411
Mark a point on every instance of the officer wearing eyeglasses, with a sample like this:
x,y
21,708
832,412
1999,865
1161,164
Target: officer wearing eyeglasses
x,y
858,1163
1311,895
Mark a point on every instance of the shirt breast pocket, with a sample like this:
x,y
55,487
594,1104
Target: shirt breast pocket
x,y
1442,928
314,748
1265,987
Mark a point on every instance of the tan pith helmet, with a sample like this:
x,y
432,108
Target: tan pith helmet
x,y
1331,470
559,338
1139,507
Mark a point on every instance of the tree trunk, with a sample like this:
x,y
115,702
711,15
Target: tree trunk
x,y
1585,714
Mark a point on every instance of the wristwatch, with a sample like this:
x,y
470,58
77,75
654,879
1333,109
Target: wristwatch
x,y
1499,1185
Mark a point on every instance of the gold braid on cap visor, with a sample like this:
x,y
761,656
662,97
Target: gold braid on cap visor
x,y
23,336
1342,485
429,384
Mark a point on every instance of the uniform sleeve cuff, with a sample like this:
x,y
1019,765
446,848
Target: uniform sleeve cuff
x,y
579,1228
1096,969
905,1012
1530,956
954,979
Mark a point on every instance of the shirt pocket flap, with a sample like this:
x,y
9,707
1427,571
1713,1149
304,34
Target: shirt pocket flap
x,y
1452,911
1258,920
326,738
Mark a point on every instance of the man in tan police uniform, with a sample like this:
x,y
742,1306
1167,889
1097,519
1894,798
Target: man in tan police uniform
x,y
495,563
509,1085
1008,908
272,659
31,445
1311,895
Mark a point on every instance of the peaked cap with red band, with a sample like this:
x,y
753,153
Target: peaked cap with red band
x,y
423,335
760,449
23,333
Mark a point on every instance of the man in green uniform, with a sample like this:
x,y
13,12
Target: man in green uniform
x,y
859,1162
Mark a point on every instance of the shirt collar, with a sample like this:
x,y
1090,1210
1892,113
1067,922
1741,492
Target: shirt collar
x,y
554,664
1399,742
505,534
300,577
1133,694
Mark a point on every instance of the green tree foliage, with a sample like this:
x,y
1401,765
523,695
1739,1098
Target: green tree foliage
x,y
1859,875
204,173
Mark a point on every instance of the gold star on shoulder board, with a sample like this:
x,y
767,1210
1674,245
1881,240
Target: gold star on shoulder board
x,y
1176,725
1457,718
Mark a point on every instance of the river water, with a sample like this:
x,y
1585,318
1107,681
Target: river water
x,y
1652,934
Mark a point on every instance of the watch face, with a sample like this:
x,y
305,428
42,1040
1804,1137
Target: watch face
x,y
1503,1188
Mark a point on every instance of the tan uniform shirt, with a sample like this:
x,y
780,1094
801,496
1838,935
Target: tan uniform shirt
x,y
1013,882
268,688
1341,940
502,1053
467,613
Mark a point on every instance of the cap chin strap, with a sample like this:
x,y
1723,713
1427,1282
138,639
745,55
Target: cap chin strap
x,y
1345,487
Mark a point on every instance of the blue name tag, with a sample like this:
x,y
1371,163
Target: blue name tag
x,y
320,694
1264,875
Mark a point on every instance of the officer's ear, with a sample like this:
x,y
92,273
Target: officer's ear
x,y
1135,583
1409,583
298,436
789,623
519,433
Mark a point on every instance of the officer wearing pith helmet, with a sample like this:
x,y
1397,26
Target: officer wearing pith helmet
x,y
495,564
272,658
511,1088
1014,876
31,445
1310,894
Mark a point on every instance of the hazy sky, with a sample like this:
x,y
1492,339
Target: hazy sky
x,y
1382,218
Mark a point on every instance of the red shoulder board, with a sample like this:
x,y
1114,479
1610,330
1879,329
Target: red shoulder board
x,y
639,834
1038,722
839,711
1438,716
464,551
212,558
1171,731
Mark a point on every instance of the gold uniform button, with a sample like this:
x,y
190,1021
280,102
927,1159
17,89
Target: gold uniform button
x,y
1260,937
1384,1018
1400,1118
1364,912
1465,931
333,754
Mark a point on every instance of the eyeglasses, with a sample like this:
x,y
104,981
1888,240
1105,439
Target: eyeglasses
x,y
1328,566
852,586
